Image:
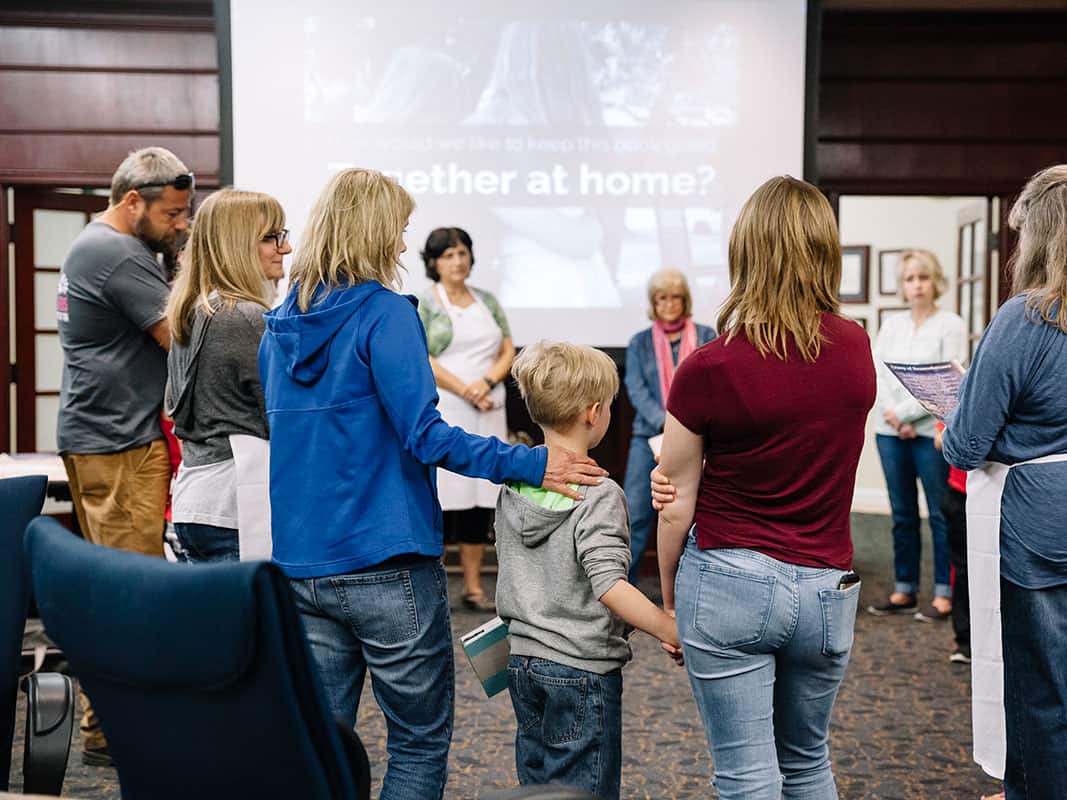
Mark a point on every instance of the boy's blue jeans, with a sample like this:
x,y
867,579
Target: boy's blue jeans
x,y
569,725
392,620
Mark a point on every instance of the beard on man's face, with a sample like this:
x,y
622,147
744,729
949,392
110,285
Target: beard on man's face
x,y
157,243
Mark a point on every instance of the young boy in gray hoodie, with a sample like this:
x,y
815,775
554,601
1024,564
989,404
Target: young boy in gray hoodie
x,y
562,586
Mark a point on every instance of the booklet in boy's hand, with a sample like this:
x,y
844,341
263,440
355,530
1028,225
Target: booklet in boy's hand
x,y
488,650
935,386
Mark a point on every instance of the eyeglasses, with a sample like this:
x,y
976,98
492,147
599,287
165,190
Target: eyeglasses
x,y
279,237
661,299
180,182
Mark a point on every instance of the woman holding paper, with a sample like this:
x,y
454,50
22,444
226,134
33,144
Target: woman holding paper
x,y
904,433
1010,428
231,263
652,357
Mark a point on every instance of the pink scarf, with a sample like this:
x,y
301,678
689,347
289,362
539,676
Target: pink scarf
x,y
661,346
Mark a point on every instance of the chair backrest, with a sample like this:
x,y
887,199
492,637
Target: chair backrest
x,y
200,674
21,500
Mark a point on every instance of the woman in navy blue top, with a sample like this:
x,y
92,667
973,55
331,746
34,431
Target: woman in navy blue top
x,y
652,357
1013,412
355,442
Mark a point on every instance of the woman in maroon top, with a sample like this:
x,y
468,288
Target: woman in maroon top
x,y
764,431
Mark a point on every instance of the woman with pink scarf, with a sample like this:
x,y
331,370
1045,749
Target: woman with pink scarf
x,y
652,357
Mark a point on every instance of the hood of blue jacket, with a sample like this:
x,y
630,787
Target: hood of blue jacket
x,y
305,337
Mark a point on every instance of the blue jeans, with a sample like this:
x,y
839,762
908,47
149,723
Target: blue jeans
x,y
392,619
206,543
766,645
903,462
1035,691
569,725
639,464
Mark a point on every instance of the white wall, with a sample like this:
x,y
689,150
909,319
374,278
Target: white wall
x,y
897,223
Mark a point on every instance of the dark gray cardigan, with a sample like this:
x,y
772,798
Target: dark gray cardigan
x,y
213,387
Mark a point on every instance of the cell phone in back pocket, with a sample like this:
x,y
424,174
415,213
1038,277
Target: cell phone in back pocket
x,y
848,580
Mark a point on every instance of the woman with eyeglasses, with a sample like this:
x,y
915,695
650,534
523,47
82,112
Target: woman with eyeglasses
x,y
225,282
652,357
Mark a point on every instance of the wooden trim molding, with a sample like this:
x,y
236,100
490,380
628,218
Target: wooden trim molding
x,y
168,131
78,68
128,20
25,346
5,326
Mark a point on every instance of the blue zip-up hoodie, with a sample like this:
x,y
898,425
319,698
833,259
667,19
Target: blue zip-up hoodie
x,y
356,435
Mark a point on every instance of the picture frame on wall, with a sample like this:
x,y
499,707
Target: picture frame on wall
x,y
885,311
855,266
888,269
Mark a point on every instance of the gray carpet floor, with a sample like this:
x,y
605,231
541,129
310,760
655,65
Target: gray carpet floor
x,y
901,728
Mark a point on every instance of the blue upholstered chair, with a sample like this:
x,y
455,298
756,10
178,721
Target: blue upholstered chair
x,y
20,501
201,676
50,706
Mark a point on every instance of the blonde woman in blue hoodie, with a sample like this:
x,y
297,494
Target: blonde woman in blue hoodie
x,y
355,440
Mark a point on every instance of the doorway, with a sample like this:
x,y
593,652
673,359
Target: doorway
x,y
46,222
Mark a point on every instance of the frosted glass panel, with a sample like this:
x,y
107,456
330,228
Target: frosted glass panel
x,y
965,300
44,299
966,251
49,362
53,231
977,318
47,412
979,247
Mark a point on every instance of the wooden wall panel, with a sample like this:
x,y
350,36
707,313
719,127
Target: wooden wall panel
x,y
932,168
987,110
904,57
77,93
107,102
106,49
925,103
81,160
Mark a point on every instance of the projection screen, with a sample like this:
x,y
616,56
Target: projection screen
x,y
583,144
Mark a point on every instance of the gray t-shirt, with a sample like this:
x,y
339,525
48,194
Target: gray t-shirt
x,y
111,291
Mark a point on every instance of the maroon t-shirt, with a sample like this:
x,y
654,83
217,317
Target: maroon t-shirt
x,y
781,443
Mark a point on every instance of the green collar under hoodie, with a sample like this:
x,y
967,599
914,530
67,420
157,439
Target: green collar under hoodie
x,y
554,567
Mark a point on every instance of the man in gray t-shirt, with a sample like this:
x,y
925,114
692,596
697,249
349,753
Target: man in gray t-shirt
x,y
111,294
110,309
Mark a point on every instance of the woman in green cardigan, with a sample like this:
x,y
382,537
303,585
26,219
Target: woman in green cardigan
x,y
470,353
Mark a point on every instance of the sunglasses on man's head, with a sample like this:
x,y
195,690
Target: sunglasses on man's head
x,y
180,182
